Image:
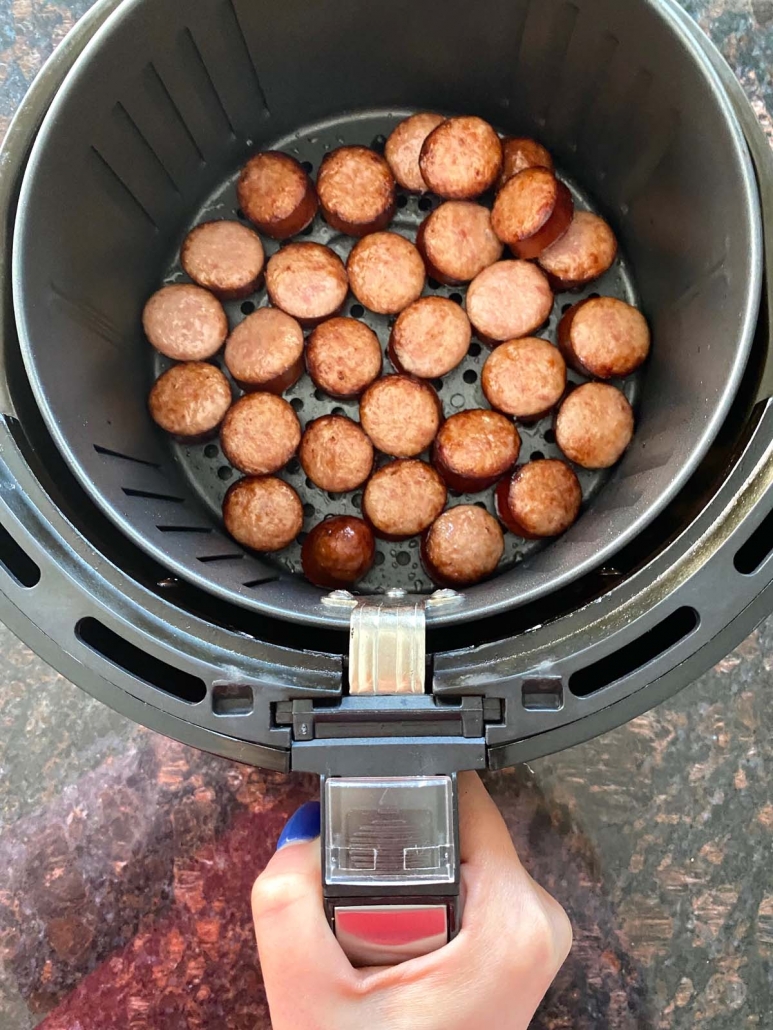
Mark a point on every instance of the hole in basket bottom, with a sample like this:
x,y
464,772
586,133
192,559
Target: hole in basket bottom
x,y
638,653
139,663
17,562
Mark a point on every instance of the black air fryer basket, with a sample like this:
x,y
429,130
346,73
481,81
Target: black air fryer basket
x,y
116,567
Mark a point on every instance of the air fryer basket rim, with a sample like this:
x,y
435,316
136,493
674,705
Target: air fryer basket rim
x,y
275,599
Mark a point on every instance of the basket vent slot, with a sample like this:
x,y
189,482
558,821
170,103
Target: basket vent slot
x,y
151,496
124,457
232,699
636,655
543,695
146,667
16,562
753,553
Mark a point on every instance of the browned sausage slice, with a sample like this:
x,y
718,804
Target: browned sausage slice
x,y
185,322
507,300
457,241
401,415
343,357
532,210
524,378
594,425
335,454
585,252
276,194
386,272
308,281
404,146
461,158
463,546
520,153
265,351
338,552
403,499
190,400
475,448
430,338
541,499
263,513
356,190
260,434
224,257
604,337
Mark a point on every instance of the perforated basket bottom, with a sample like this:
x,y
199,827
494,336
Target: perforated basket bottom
x,y
396,565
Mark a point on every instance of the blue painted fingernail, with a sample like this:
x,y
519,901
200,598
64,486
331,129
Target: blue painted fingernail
x,y
302,825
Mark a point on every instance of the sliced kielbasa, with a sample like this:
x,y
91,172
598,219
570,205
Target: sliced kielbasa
x,y
263,513
343,357
260,434
308,281
594,425
356,190
276,194
604,337
541,499
185,322
403,498
404,146
461,158
520,153
431,337
224,257
532,210
524,378
585,252
457,242
474,449
386,272
338,552
190,400
507,300
265,351
463,546
401,415
336,454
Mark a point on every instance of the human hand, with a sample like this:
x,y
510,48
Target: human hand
x,y
514,939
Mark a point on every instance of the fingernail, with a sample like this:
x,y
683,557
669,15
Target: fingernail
x,y
302,825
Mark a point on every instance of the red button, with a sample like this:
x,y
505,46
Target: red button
x,y
387,934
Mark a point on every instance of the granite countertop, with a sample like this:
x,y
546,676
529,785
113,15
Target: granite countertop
x,y
127,859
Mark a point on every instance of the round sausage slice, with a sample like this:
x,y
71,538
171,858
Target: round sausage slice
x,y
386,272
594,425
457,242
403,498
461,158
265,351
260,434
404,146
308,281
343,357
401,415
335,454
585,252
604,337
463,546
356,190
520,153
507,300
532,210
474,449
263,513
224,257
541,499
429,338
524,378
276,194
338,552
185,322
190,400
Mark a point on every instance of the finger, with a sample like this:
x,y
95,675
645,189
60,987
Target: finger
x,y
483,833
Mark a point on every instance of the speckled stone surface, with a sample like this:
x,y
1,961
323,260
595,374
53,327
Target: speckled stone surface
x,y
126,859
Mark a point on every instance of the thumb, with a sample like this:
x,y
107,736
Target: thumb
x,y
299,955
